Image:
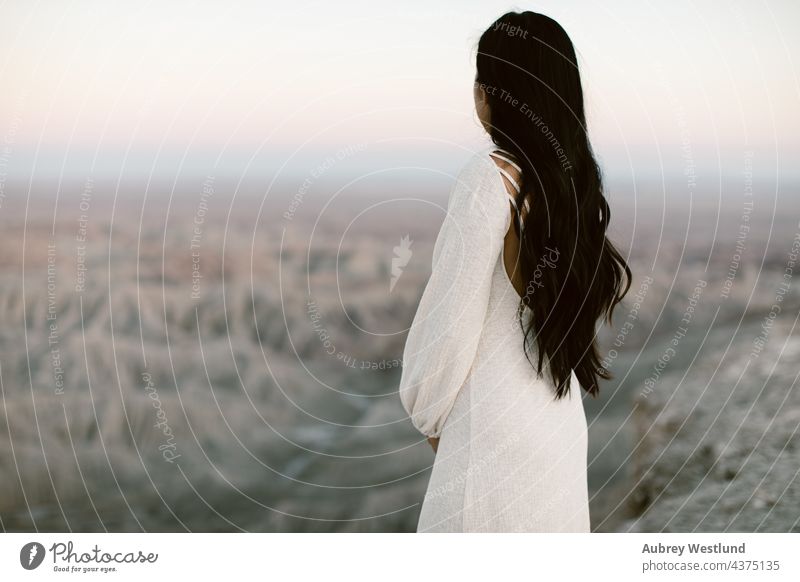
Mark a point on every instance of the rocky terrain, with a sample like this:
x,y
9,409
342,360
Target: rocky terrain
x,y
719,449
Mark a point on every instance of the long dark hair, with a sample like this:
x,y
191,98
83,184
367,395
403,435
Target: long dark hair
x,y
526,64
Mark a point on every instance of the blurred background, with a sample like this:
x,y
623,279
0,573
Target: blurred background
x,y
201,205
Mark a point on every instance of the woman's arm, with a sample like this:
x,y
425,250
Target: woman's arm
x,y
443,339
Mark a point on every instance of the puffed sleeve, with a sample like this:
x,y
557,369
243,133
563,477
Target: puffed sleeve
x,y
443,339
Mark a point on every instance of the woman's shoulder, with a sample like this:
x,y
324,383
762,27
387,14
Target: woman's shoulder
x,y
479,165
479,188
480,174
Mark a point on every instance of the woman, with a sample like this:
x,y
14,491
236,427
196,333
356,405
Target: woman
x,y
504,336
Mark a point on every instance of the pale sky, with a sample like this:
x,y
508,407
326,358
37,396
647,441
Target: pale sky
x,y
184,87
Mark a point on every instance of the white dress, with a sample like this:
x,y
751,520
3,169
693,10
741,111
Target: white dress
x,y
511,458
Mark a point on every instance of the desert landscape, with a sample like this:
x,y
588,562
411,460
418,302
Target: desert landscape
x,y
211,357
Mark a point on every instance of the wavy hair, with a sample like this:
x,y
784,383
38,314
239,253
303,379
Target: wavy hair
x,y
527,66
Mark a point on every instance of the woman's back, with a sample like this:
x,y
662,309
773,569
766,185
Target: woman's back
x,y
510,455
